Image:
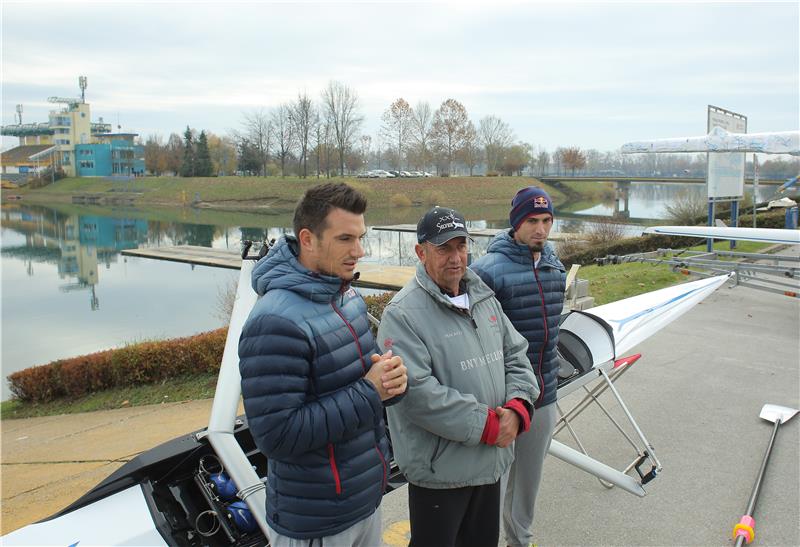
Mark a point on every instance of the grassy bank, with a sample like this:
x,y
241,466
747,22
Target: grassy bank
x,y
184,388
276,194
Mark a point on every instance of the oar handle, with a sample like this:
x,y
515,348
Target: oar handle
x,y
744,530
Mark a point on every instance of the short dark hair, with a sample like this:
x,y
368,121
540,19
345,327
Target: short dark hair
x,y
313,208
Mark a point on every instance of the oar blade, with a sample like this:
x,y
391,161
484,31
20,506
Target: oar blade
x,y
773,413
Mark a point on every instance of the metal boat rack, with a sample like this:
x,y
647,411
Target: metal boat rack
x,y
609,373
767,272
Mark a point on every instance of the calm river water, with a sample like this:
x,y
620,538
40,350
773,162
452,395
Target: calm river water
x,y
67,290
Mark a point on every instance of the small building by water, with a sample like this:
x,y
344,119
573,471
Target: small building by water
x,y
71,141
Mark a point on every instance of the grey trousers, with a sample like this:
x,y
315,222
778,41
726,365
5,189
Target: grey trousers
x,y
365,533
521,483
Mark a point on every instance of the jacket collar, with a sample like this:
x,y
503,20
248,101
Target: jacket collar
x,y
475,288
281,269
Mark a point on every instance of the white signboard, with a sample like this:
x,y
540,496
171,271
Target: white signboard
x,y
726,169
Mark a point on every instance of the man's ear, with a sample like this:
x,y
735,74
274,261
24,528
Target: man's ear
x,y
420,250
306,240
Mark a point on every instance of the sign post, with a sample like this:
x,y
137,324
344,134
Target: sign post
x,y
725,173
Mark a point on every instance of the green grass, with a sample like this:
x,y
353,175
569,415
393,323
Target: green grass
x,y
615,282
278,195
178,389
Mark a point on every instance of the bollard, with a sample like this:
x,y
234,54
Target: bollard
x,y
791,218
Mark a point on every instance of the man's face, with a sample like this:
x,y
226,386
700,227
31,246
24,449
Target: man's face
x,y
534,231
337,250
445,263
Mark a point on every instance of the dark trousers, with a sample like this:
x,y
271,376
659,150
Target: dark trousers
x,y
455,517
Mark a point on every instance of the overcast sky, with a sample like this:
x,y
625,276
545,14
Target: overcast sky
x,y
593,75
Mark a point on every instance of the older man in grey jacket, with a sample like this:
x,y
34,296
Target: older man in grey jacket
x,y
470,390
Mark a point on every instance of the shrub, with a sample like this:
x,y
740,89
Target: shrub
x,y
434,197
376,303
685,209
375,306
400,200
605,231
492,174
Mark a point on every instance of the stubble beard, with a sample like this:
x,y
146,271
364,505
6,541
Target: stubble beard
x,y
536,247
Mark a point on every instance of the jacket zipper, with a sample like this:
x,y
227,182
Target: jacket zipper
x,y
546,338
383,462
334,469
355,337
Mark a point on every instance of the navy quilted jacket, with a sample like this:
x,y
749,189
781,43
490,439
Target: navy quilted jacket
x,y
531,298
303,354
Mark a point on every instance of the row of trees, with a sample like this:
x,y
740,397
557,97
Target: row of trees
x,y
195,154
324,137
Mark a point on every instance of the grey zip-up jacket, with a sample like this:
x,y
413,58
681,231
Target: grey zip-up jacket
x,y
460,364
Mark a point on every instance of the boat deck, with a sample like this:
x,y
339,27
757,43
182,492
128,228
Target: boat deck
x,y
373,276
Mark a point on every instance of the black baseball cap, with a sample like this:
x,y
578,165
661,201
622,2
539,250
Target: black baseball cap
x,y
440,225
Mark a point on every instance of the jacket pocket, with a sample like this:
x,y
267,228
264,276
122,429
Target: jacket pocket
x,y
383,467
438,450
334,469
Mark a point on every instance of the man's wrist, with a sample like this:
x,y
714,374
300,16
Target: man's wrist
x,y
491,428
521,410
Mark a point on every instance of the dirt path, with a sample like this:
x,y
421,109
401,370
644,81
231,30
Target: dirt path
x,y
44,468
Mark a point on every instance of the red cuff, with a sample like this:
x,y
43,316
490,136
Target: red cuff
x,y
491,429
518,406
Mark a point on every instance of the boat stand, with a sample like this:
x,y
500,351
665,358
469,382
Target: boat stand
x,y
772,273
608,374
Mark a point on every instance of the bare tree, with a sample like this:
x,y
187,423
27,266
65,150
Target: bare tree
x,y
283,132
421,122
558,159
155,155
449,128
259,135
366,145
516,158
495,134
341,110
397,126
543,161
174,153
573,159
304,116
470,153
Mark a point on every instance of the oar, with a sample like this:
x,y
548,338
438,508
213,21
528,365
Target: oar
x,y
744,531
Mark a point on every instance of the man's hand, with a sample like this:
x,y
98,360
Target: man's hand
x,y
388,374
509,426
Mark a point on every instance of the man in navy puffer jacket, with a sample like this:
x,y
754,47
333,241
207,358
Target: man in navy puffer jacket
x,y
528,280
312,383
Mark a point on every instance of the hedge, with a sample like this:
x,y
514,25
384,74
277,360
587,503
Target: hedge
x,y
136,364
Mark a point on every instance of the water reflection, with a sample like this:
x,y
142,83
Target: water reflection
x,y
649,200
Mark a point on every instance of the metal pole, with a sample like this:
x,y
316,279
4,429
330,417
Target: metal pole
x,y
751,505
755,187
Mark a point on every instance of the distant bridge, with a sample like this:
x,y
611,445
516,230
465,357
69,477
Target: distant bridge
x,y
693,180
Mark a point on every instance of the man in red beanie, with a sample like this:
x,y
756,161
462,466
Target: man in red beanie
x,y
522,269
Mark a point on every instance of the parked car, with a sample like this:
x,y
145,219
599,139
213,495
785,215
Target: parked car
x,y
380,174
426,174
405,174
